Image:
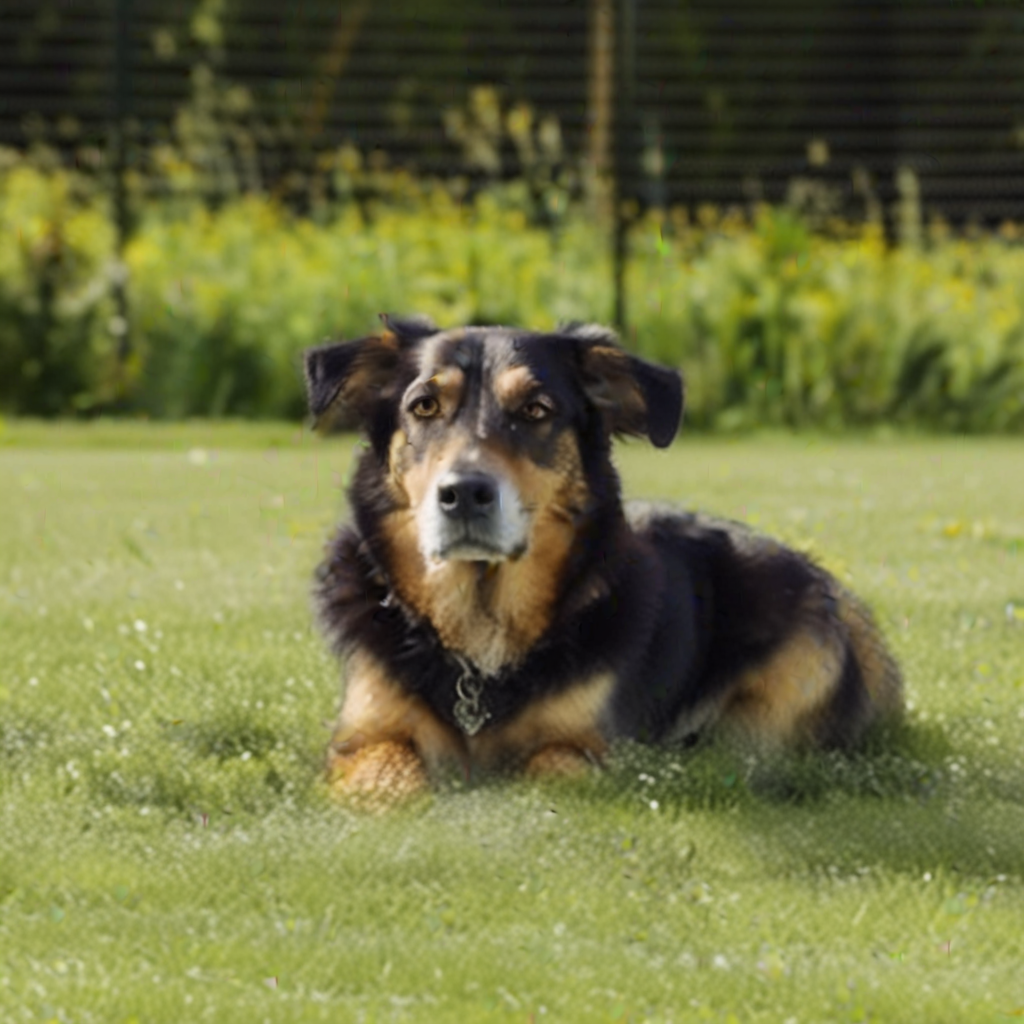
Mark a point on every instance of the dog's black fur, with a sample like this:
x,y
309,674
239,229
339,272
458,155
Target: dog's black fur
x,y
689,621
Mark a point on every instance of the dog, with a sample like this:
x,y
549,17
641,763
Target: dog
x,y
502,610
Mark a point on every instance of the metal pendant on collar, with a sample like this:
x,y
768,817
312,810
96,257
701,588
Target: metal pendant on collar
x,y
467,710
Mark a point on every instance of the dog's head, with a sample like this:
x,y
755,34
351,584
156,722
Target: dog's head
x,y
489,454
482,427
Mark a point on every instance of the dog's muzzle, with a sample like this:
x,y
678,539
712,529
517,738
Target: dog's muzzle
x,y
473,516
468,497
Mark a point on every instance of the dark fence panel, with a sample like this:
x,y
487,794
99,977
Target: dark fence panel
x,y
746,96
727,102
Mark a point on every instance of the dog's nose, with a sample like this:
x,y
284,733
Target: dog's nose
x,y
467,495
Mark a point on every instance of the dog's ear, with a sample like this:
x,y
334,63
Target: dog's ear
x,y
409,328
635,397
346,381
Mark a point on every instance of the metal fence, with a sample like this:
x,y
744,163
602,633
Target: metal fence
x,y
820,103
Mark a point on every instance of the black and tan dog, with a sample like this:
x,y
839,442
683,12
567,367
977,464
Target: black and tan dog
x,y
500,608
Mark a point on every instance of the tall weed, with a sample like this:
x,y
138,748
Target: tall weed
x,y
57,342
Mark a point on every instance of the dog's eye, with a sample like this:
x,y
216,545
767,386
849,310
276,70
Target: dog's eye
x,y
536,410
425,407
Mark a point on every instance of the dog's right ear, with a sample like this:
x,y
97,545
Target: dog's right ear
x,y
634,396
346,380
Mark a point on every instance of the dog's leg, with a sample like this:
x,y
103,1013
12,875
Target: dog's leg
x,y
385,741
377,776
561,734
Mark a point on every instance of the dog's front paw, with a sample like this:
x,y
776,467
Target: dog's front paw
x,y
559,760
378,776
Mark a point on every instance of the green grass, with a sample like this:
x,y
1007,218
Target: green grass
x,y
168,852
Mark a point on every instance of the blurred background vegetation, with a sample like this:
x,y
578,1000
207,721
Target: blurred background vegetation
x,y
812,209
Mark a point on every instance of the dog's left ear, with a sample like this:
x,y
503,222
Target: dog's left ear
x,y
636,397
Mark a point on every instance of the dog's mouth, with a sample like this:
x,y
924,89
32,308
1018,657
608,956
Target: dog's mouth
x,y
473,516
472,549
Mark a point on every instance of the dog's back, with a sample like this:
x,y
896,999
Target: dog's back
x,y
781,652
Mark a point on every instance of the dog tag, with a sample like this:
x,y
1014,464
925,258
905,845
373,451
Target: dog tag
x,y
468,713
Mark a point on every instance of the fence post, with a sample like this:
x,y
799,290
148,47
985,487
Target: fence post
x,y
622,143
120,104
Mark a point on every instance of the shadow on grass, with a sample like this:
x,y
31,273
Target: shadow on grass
x,y
913,800
21,737
908,761
194,768
224,740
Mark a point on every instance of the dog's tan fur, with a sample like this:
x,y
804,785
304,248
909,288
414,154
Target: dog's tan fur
x,y
374,712
565,721
879,670
390,741
490,614
776,704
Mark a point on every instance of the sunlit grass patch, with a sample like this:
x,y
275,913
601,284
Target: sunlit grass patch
x,y
168,851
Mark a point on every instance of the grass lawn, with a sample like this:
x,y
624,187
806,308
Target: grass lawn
x,y
168,853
